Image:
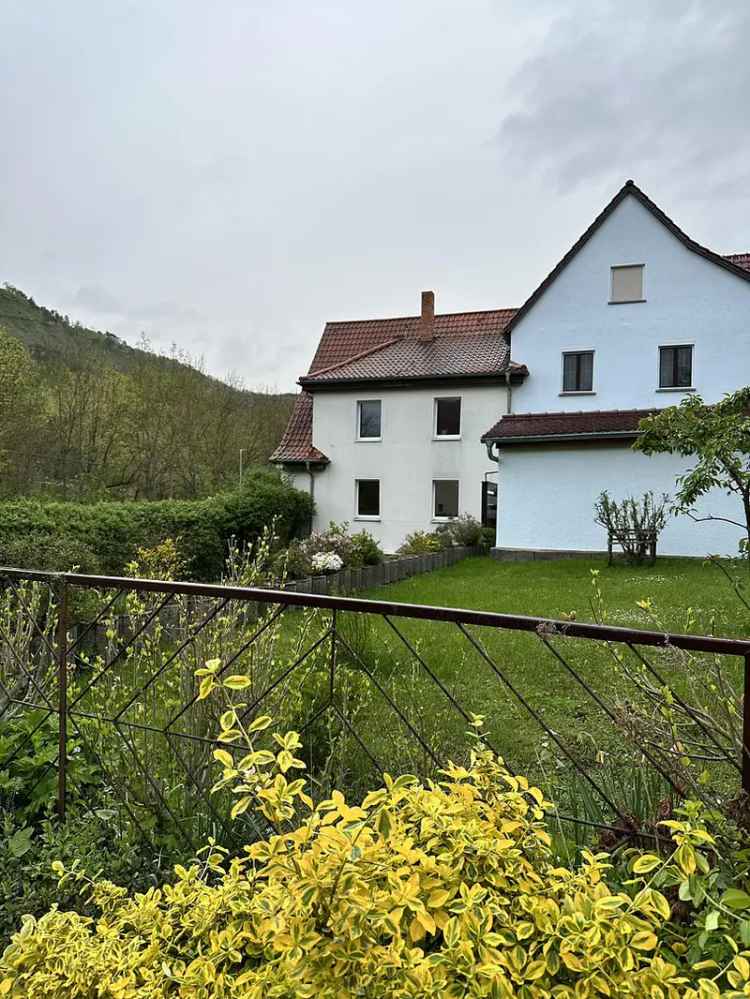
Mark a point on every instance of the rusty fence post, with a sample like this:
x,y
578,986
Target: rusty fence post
x,y
62,695
746,728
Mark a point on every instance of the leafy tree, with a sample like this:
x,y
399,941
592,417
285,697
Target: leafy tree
x,y
718,439
17,411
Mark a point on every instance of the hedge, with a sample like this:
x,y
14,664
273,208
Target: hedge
x,y
104,536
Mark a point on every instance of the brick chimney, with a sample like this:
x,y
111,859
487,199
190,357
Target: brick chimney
x,y
426,330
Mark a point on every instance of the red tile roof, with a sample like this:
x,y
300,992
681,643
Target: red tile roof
x,y
341,341
464,344
296,445
522,427
410,358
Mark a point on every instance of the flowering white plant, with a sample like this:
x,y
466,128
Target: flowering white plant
x,y
326,562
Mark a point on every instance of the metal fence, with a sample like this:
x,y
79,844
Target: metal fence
x,y
124,694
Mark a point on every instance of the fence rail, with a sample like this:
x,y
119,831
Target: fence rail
x,y
139,709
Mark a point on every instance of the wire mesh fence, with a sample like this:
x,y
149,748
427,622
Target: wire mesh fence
x,y
98,687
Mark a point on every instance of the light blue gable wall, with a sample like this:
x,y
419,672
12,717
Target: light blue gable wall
x,y
547,493
688,300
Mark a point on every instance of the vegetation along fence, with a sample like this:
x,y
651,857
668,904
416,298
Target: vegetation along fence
x,y
122,724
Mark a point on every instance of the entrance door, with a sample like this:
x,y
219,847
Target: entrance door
x,y
489,504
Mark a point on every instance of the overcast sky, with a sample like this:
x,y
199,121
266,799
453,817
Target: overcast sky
x,y
229,175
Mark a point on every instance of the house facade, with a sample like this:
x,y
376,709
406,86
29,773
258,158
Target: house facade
x,y
386,431
433,410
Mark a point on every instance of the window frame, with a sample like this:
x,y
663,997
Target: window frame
x,y
578,352
437,518
446,398
626,301
367,516
675,388
367,440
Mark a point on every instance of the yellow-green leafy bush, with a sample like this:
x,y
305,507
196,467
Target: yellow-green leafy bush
x,y
448,889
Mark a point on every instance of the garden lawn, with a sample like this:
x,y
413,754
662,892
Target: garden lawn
x,y
556,587
685,596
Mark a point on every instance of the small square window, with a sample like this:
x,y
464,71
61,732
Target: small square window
x,y
447,417
445,498
578,371
627,283
676,367
368,419
368,497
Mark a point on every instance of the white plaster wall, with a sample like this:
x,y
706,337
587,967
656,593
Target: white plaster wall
x,y
688,300
406,460
547,495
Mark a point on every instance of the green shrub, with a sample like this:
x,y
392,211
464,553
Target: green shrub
x,y
367,550
28,885
352,551
106,536
424,543
463,530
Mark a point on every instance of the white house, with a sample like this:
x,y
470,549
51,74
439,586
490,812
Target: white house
x,y
391,426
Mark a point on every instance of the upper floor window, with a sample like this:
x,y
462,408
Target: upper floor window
x,y
626,284
676,367
369,420
578,371
368,498
448,417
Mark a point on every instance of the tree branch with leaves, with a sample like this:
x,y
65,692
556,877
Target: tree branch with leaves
x,y
717,438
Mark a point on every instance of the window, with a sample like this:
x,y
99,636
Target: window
x,y
447,417
627,284
368,420
368,497
578,371
445,498
675,367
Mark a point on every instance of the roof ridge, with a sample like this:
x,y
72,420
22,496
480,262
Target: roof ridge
x,y
354,357
438,315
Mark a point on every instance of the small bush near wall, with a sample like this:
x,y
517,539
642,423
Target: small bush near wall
x,y
463,531
423,543
329,551
104,537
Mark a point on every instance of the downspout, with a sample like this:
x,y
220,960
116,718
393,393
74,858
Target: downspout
x,y
508,393
494,456
308,468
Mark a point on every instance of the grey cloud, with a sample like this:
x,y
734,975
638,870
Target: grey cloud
x,y
228,177
645,87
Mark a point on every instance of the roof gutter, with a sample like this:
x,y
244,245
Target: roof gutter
x,y
551,438
309,384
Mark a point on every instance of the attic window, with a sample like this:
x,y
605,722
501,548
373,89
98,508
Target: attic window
x,y
627,284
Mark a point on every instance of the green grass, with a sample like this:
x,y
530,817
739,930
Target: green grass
x,y
685,596
549,589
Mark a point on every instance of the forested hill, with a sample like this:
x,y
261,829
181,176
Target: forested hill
x,y
50,336
83,415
